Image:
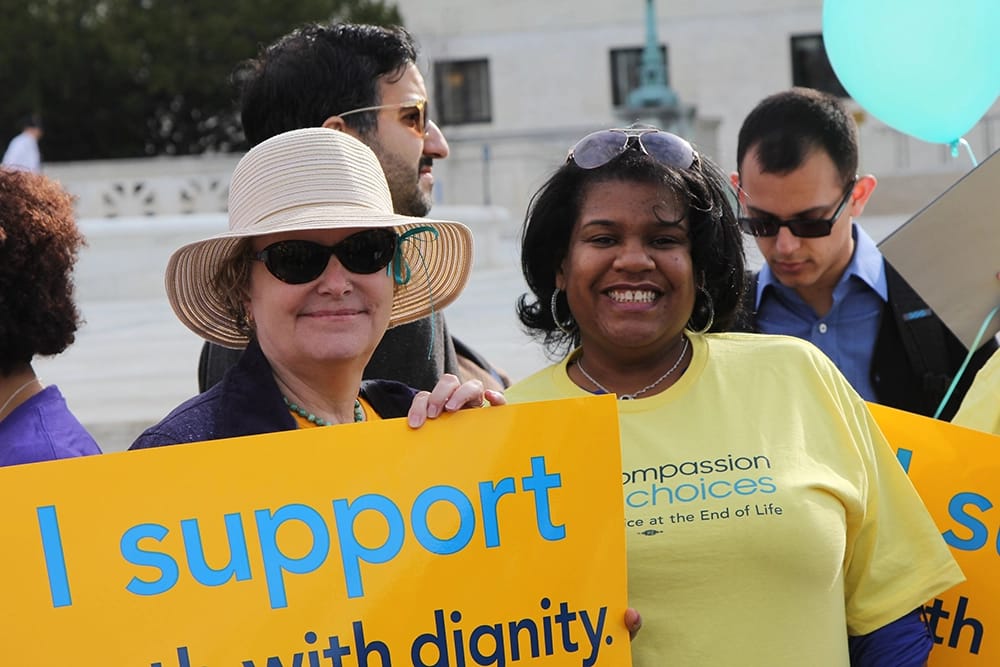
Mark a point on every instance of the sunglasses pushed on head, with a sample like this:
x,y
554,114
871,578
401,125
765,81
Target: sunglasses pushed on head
x,y
599,148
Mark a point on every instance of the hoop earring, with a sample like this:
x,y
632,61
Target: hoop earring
x,y
706,305
565,327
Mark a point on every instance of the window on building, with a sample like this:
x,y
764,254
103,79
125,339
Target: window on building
x,y
625,72
811,68
462,90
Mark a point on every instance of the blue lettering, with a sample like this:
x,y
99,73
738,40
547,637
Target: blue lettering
x,y
767,484
353,536
540,482
466,519
905,458
55,558
711,489
690,492
131,552
489,495
351,551
637,503
239,560
956,508
657,491
276,562
679,493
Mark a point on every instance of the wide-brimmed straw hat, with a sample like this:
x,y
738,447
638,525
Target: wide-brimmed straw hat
x,y
315,178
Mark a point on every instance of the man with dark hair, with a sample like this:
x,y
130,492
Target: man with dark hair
x,y
362,80
824,279
22,152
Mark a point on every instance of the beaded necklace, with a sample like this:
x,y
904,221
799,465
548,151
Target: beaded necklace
x,y
359,413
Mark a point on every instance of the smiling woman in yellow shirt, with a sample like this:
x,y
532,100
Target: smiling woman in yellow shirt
x,y
768,522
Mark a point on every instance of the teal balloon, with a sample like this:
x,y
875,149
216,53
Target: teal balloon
x,y
929,68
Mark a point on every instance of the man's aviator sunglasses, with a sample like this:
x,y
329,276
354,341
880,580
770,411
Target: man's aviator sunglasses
x,y
599,148
419,105
801,227
297,262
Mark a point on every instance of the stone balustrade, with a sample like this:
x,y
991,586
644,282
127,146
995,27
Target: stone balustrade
x,y
154,204
147,187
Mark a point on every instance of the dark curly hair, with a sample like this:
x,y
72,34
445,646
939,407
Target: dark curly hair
x,y
39,244
318,71
716,240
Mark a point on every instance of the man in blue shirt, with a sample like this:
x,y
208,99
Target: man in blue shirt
x,y
824,279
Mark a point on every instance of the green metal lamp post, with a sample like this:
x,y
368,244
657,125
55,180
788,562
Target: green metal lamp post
x,y
654,101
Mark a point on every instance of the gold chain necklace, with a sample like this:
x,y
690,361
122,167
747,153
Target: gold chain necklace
x,y
17,391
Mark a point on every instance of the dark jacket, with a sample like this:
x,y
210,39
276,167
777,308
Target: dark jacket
x,y
247,401
916,357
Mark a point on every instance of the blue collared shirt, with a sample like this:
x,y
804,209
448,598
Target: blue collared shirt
x,y
847,333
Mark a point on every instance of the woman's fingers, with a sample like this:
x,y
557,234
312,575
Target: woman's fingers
x,y
418,409
494,397
469,394
449,395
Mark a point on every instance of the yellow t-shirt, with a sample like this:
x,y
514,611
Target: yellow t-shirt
x,y
766,515
980,408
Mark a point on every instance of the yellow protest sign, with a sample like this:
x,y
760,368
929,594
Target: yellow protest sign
x,y
487,537
956,471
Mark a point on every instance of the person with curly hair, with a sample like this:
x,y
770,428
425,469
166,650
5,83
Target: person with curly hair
x,y
39,243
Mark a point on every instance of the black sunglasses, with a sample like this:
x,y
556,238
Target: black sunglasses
x,y
296,262
599,148
801,227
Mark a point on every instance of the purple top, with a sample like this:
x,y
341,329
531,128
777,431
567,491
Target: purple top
x,y
41,429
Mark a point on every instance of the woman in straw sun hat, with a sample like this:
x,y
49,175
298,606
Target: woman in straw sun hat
x,y
314,268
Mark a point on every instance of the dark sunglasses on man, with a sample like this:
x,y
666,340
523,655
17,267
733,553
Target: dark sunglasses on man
x,y
297,262
807,228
